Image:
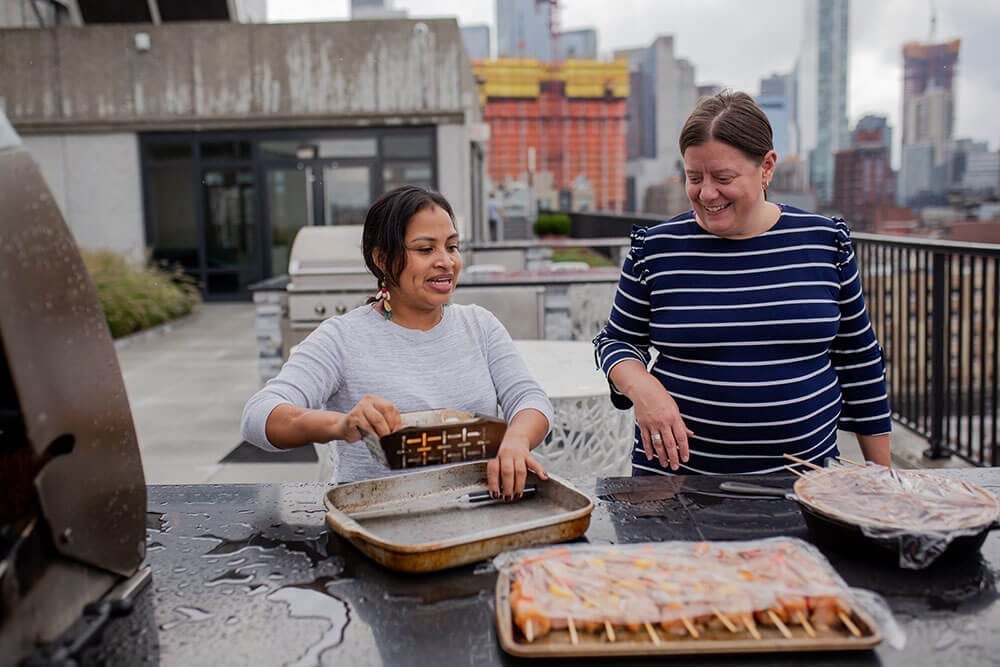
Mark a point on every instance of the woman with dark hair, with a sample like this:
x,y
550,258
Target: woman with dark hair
x,y
408,349
764,346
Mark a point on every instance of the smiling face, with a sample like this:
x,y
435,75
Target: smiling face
x,y
726,189
431,269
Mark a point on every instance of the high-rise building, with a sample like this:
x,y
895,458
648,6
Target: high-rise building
x,y
578,44
565,119
927,68
982,173
916,172
524,29
863,178
776,108
477,41
821,90
778,91
931,117
663,95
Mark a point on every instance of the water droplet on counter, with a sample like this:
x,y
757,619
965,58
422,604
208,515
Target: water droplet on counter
x,y
946,639
192,614
231,577
313,601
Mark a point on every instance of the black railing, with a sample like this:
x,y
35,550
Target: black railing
x,y
934,306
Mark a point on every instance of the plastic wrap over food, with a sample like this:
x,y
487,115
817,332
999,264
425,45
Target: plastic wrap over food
x,y
920,512
678,586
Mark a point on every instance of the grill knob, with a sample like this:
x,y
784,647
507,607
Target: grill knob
x,y
319,309
341,309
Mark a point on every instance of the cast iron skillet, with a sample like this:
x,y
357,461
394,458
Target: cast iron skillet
x,y
850,538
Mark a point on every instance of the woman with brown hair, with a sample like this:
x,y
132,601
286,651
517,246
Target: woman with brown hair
x,y
764,345
409,349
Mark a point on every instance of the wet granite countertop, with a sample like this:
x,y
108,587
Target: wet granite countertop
x,y
250,574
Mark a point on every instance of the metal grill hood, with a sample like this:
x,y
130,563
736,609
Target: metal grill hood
x,y
328,258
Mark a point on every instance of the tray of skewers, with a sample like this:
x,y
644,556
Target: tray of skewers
x,y
770,595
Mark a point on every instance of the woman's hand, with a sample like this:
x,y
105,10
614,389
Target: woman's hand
x,y
507,472
661,427
372,414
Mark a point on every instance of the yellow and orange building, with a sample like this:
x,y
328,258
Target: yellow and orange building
x,y
570,116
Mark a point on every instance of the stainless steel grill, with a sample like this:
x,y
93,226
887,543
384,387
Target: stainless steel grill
x,y
327,277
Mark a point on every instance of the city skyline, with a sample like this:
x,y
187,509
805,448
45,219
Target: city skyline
x,y
766,38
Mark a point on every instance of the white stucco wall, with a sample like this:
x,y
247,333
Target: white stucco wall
x,y
454,177
95,179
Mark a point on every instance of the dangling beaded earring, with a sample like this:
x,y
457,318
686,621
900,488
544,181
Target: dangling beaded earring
x,y
383,295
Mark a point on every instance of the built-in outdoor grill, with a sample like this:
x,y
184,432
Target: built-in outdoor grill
x,y
327,276
72,493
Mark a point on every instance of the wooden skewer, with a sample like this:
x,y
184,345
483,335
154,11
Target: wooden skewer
x,y
846,620
725,620
804,622
529,631
781,626
850,462
808,464
690,627
652,633
610,632
797,472
751,626
574,639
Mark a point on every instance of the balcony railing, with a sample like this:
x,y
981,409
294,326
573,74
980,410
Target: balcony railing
x,y
934,306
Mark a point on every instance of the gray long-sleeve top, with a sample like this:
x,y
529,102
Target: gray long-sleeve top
x,y
467,362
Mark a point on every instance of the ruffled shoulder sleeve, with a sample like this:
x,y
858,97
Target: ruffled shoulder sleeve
x,y
637,248
842,237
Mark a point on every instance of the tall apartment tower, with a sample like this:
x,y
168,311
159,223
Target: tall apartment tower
x,y
778,102
929,73
821,104
662,94
524,29
864,181
477,41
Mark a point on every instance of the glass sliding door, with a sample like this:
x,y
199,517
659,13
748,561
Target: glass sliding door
x,y
232,255
346,194
290,206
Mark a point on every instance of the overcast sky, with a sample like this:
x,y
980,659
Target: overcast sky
x,y
735,43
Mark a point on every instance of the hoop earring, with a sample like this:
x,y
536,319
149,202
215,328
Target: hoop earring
x,y
383,296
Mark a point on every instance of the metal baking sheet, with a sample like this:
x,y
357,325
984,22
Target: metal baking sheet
x,y
559,644
446,534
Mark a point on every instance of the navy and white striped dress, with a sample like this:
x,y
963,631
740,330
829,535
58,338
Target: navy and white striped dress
x,y
765,343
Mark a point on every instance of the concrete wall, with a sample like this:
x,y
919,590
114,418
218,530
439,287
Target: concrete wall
x,y
96,182
454,177
202,75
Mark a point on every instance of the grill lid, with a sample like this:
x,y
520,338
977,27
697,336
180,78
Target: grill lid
x,y
328,259
72,493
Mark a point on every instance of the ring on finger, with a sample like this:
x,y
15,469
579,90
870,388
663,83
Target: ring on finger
x,y
656,437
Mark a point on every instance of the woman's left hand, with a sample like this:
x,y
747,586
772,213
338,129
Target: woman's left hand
x,y
507,473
